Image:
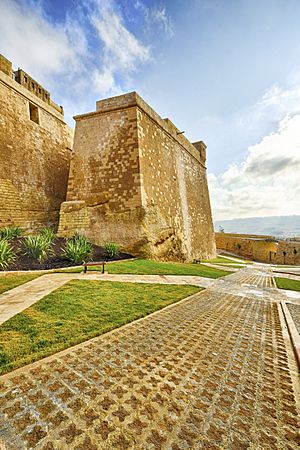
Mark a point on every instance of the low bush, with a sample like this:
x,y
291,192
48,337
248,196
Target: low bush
x,y
48,233
9,233
38,247
7,255
78,249
111,249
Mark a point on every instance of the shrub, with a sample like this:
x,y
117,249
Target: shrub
x,y
48,233
111,249
78,249
38,247
7,255
9,233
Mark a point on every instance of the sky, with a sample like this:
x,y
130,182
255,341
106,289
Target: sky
x,y
225,71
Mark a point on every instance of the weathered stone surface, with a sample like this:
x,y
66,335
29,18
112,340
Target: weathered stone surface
x,y
262,248
68,207
35,157
144,184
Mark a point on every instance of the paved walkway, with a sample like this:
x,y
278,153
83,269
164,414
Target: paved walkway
x,y
16,300
214,371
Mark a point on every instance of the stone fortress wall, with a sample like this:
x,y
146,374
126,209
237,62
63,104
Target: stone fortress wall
x,y
261,248
135,180
35,152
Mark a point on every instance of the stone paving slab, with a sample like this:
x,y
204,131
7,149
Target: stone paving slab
x,y
16,300
225,267
210,372
161,279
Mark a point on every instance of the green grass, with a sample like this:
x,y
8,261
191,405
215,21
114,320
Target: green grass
x,y
8,282
236,266
79,311
286,283
220,260
150,267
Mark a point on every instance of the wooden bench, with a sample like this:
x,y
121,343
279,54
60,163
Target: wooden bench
x,y
86,265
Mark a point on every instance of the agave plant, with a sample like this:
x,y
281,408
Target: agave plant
x,y
9,233
7,254
48,233
37,247
78,249
111,249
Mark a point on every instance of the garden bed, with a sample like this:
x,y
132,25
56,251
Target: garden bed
x,y
56,261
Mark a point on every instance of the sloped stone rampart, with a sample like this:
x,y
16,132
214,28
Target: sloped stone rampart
x,y
138,182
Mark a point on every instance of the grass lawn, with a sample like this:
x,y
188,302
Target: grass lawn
x,y
79,311
236,266
11,281
150,267
220,260
286,283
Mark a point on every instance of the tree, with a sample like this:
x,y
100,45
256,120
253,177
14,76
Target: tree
x,y
284,255
295,254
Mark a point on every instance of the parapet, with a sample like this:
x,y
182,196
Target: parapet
x,y
202,150
5,66
28,82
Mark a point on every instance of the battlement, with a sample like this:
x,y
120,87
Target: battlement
x,y
25,80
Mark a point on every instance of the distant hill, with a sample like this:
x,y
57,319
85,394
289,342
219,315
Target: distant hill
x,y
278,226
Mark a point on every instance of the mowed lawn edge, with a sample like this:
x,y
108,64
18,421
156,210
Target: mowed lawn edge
x,y
76,312
10,281
151,267
224,261
287,283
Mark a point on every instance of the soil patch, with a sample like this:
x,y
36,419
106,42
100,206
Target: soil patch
x,y
57,260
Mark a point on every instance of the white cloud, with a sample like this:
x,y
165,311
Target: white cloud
x,y
156,16
267,182
122,51
87,55
37,45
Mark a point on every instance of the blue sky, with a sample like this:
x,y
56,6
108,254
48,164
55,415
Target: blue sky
x,y
226,72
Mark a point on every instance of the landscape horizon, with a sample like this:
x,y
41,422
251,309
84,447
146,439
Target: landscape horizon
x,y
277,226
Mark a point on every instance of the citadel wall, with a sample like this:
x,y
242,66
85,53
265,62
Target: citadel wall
x,y
135,180
35,152
288,252
260,248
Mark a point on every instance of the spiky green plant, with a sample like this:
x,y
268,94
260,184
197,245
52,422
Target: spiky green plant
x,y
7,254
48,233
111,249
37,247
78,249
9,233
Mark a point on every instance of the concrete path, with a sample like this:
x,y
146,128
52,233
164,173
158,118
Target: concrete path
x,y
290,276
225,267
214,371
16,300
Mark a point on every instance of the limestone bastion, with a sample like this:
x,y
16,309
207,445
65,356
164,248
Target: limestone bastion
x,y
132,177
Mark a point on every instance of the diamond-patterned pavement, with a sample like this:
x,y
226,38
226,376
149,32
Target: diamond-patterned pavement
x,y
210,372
